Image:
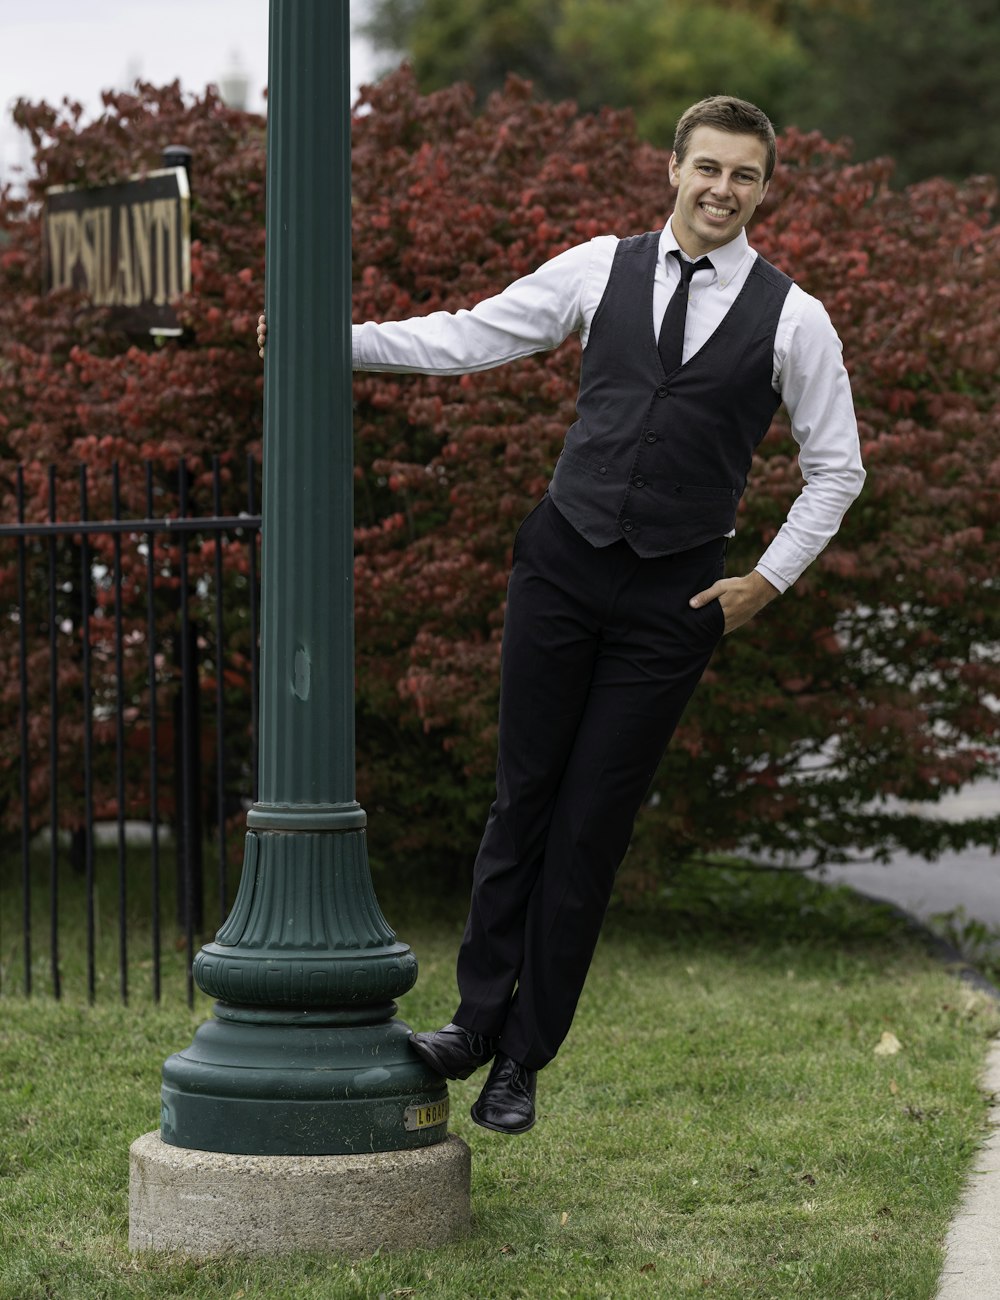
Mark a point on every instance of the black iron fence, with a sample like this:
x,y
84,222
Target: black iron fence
x,y
128,675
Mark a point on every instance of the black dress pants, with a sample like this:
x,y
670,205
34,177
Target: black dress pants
x,y
601,653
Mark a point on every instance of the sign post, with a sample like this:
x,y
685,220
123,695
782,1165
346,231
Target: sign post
x,y
303,1074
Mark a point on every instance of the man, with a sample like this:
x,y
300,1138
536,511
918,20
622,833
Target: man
x,y
617,597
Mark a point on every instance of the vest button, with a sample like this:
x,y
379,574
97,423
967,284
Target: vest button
x,y
638,481
627,525
603,469
650,435
663,391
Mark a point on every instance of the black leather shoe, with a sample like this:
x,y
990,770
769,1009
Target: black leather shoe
x,y
507,1101
453,1051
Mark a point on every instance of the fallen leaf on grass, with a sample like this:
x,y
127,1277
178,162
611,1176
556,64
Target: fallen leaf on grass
x,y
894,1087
887,1045
564,1219
648,1268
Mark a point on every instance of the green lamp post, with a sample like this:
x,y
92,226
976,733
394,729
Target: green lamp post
x,y
303,1055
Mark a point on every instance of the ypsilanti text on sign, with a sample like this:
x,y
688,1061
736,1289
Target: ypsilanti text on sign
x,y
126,246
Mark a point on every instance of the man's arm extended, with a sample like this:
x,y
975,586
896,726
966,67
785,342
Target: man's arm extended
x,y
533,314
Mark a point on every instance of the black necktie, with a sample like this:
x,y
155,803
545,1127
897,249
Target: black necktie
x,y
671,340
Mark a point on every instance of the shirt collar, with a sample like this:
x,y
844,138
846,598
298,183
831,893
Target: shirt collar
x,y
726,259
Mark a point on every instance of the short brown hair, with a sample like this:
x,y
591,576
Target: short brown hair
x,y
726,113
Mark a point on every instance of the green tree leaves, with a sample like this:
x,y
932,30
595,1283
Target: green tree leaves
x,y
659,58
913,79
918,80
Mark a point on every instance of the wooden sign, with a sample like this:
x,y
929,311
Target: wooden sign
x,y
126,246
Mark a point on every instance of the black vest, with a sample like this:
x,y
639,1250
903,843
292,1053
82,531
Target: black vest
x,y
662,460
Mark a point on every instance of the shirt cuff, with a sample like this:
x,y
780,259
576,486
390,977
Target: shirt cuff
x,y
775,579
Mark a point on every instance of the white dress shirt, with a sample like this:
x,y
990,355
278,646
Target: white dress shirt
x,y
540,310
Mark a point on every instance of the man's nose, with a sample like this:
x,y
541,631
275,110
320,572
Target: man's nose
x,y
723,185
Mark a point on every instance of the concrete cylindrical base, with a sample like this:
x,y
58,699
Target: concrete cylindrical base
x,y
203,1203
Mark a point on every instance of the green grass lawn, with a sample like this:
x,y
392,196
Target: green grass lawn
x,y
717,1125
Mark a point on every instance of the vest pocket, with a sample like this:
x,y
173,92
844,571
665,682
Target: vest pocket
x,y
592,465
701,492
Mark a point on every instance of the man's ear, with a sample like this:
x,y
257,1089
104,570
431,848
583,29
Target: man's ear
x,y
672,170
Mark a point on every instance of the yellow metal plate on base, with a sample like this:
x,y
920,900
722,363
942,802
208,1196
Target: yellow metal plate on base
x,y
418,1117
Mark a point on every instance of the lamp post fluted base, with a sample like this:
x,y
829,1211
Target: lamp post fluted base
x,y
303,1088
303,1056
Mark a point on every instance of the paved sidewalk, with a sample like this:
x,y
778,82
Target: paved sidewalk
x,y
972,1248
969,880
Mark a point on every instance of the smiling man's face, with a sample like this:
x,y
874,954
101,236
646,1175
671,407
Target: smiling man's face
x,y
720,183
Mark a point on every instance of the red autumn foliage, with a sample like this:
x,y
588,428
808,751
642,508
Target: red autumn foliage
x,y
874,678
